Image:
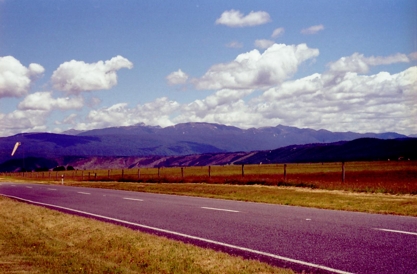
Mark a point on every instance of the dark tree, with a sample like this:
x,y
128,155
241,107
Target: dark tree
x,y
41,169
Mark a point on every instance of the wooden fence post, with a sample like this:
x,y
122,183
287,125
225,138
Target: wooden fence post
x,y
159,174
182,173
343,172
243,170
285,172
138,173
209,170
108,174
123,173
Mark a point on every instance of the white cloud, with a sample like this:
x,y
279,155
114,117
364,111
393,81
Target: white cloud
x,y
263,43
20,121
413,55
75,77
234,44
255,70
45,102
71,119
312,29
157,112
358,63
358,103
277,32
224,106
15,79
177,77
234,18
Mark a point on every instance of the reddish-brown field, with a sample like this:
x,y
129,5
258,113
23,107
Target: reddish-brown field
x,y
395,177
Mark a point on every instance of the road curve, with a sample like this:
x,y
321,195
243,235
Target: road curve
x,y
300,238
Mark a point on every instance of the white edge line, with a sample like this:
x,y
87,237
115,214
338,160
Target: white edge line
x,y
397,231
133,199
86,193
219,209
190,237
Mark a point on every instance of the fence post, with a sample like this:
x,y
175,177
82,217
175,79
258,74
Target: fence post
x,y
138,173
182,173
243,170
89,176
285,172
343,172
123,173
108,174
159,174
209,170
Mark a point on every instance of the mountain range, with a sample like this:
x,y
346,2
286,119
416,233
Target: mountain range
x,y
191,141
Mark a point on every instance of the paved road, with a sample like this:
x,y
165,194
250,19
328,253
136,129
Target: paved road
x,y
301,238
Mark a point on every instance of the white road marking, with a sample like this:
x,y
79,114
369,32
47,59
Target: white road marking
x,y
397,231
318,266
133,199
219,209
85,193
51,189
28,187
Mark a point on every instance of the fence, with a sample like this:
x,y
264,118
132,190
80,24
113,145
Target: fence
x,y
280,172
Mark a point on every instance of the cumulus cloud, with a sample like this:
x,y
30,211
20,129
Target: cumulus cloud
x,y
224,106
357,102
157,112
75,77
15,79
255,70
234,18
277,32
358,63
45,102
312,29
263,43
177,77
234,44
20,121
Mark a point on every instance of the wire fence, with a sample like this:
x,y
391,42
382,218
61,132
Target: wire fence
x,y
383,176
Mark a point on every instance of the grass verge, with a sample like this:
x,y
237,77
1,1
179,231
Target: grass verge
x,y
381,203
38,240
295,196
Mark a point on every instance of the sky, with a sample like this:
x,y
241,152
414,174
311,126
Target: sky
x,y
347,65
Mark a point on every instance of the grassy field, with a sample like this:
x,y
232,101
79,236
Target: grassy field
x,y
394,177
38,240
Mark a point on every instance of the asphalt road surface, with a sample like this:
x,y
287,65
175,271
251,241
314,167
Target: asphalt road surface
x,y
300,238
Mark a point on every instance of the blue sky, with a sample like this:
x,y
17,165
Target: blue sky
x,y
335,65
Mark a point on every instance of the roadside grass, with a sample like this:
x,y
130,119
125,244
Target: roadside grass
x,y
380,203
34,239
392,177
294,196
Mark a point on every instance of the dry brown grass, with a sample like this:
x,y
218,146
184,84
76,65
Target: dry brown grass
x,y
38,240
394,177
